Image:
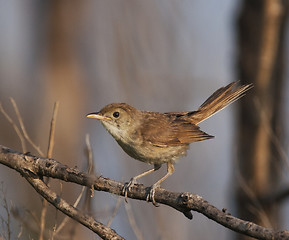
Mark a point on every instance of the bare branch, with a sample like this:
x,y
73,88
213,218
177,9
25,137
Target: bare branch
x,y
18,161
59,203
31,167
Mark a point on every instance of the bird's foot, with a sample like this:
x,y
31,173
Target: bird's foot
x,y
151,195
127,187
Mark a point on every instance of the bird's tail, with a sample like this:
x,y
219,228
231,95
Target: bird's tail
x,y
219,100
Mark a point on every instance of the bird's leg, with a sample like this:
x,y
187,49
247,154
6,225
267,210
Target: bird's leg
x,y
151,195
133,181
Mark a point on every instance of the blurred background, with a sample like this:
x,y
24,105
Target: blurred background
x,y
155,55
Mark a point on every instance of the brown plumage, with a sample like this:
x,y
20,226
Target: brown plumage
x,y
158,138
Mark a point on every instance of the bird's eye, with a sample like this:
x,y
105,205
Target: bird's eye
x,y
116,114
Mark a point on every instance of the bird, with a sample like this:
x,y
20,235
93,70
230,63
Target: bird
x,y
162,138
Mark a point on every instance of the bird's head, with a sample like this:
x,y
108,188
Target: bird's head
x,y
118,118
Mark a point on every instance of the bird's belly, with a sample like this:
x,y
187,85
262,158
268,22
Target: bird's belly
x,y
153,154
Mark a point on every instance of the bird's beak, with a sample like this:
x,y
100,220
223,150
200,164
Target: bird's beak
x,y
98,116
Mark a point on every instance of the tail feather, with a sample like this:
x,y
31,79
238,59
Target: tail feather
x,y
219,100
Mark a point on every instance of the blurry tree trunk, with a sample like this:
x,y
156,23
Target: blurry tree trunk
x,y
63,74
63,83
261,30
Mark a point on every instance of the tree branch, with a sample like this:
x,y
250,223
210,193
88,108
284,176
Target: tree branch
x,y
27,167
32,168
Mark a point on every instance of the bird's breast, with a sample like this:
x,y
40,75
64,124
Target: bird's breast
x,y
152,154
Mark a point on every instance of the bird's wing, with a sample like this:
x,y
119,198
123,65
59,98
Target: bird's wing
x,y
168,129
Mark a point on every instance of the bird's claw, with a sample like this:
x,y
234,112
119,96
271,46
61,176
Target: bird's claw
x,y
127,187
151,195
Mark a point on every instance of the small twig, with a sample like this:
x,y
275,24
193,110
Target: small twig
x,y
89,155
89,169
100,229
132,222
37,148
17,130
65,220
256,205
52,130
49,155
115,210
21,216
6,223
42,219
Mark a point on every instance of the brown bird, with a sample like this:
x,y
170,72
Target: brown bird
x,y
157,138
